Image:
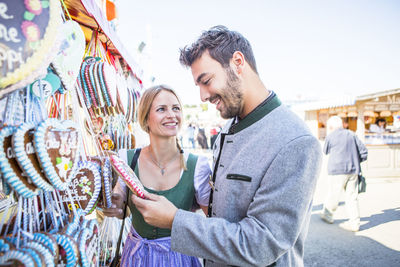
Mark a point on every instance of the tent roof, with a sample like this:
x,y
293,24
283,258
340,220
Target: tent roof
x,y
91,18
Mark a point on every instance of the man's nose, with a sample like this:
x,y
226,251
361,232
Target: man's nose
x,y
204,94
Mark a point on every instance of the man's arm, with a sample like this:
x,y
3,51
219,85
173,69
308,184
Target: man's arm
x,y
274,219
362,150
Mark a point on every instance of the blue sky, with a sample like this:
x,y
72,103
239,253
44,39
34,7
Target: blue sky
x,y
303,49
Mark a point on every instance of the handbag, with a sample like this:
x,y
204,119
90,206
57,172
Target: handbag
x,y
117,258
362,184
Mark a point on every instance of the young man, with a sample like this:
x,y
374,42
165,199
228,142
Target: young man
x,y
266,163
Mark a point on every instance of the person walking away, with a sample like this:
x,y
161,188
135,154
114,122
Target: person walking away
x,y
346,152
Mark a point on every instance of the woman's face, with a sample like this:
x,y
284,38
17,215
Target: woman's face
x,y
165,115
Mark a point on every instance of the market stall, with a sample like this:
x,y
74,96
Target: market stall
x,y
362,115
68,95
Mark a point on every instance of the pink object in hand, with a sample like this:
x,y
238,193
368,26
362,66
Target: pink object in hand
x,y
127,175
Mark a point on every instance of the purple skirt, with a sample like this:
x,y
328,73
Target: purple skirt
x,y
141,252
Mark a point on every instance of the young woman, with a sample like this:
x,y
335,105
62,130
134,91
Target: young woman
x,y
164,169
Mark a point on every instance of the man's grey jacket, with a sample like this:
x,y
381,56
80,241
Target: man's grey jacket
x,y
265,172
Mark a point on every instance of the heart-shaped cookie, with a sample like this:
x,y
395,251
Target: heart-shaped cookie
x,y
106,190
9,167
17,258
85,186
22,143
89,245
106,182
28,41
68,250
69,58
57,146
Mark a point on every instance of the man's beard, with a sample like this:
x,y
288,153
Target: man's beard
x,y
231,96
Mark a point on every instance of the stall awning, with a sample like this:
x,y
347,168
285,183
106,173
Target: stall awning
x,y
326,104
91,18
378,94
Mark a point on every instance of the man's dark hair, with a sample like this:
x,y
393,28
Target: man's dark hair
x,y
221,43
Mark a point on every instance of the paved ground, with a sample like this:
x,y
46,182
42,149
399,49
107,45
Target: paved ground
x,y
378,241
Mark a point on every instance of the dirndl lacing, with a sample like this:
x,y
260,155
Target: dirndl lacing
x,y
142,252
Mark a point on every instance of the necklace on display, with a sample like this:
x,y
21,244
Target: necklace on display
x,y
162,168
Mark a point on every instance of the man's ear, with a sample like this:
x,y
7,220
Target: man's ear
x,y
238,62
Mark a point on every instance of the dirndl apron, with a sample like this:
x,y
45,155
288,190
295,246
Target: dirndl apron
x,y
142,252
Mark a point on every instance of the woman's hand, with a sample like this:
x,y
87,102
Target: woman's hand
x,y
117,206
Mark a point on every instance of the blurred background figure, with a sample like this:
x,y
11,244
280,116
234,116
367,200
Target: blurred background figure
x,y
378,127
213,135
346,152
190,135
201,138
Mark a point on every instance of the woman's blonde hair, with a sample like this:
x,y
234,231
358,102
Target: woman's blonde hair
x,y
146,100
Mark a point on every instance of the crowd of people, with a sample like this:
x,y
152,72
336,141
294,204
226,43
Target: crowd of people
x,y
198,136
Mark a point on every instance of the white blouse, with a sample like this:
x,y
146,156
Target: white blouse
x,y
202,175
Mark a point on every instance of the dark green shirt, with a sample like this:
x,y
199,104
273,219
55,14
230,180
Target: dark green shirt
x,y
181,195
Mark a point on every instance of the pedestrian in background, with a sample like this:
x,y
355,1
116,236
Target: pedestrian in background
x,y
190,135
346,152
202,138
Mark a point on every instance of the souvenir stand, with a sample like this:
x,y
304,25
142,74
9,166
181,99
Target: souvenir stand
x,y
68,92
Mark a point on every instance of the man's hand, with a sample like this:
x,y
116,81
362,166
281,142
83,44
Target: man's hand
x,y
156,210
117,206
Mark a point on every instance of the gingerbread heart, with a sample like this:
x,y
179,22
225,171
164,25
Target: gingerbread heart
x,y
9,167
69,58
106,182
57,146
68,250
27,44
22,143
106,190
89,245
85,186
17,258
